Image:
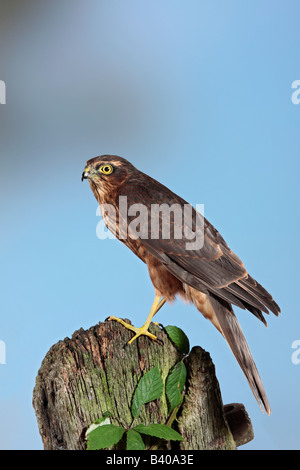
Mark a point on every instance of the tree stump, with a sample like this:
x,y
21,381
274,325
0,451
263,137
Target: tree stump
x,y
95,371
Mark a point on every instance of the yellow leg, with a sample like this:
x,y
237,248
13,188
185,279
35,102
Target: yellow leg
x,y
156,306
161,303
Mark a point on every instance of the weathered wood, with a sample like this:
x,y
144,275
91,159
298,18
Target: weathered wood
x,y
202,422
95,371
239,423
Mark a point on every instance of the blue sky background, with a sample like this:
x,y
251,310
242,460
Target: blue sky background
x,y
198,95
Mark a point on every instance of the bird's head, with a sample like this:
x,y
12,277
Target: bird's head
x,y
107,172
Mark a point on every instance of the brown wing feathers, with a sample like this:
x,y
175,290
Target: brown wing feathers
x,y
257,291
214,268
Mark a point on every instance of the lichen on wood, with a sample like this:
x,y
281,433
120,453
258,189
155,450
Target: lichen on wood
x,y
95,371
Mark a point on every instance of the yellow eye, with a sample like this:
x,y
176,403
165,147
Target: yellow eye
x,y
106,169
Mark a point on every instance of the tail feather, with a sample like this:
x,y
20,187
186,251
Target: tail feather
x,y
232,332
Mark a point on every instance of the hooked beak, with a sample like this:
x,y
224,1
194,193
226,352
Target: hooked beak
x,y
86,173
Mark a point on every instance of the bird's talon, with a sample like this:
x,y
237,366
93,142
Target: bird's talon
x,y
142,332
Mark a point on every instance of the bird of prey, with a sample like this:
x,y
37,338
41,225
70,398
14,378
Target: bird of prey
x,y
210,276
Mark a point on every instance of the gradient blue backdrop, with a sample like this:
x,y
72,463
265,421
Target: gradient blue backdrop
x,y
195,93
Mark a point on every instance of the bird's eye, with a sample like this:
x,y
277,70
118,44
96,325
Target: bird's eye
x,y
106,169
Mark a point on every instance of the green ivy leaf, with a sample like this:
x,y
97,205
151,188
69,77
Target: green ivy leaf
x,y
134,441
99,422
104,436
149,388
175,383
179,338
159,430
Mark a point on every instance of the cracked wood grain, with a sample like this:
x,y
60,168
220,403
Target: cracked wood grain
x,y
95,371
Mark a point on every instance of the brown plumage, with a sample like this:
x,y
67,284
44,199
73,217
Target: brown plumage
x,y
212,277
